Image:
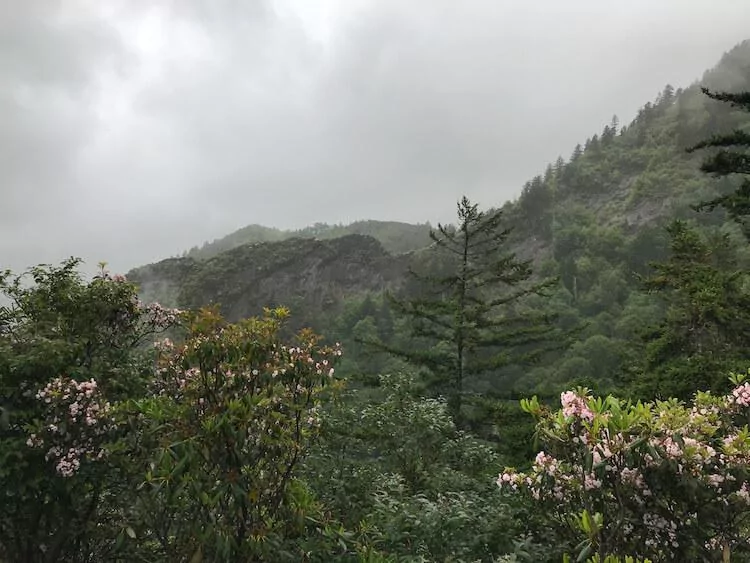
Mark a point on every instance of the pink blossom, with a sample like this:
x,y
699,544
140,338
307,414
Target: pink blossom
x,y
591,482
164,345
633,476
509,479
575,406
715,480
741,395
544,460
744,493
71,401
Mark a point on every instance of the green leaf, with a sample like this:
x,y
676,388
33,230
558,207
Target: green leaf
x,y
586,522
584,553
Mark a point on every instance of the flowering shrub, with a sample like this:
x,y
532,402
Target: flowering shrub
x,y
232,413
77,421
68,348
664,480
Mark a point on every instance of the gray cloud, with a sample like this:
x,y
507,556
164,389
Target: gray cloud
x,y
138,129
49,65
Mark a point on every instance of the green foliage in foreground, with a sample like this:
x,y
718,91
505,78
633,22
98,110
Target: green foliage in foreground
x,y
399,463
230,443
105,458
59,332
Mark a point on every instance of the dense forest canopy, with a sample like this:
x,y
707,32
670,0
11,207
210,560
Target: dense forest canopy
x,y
560,376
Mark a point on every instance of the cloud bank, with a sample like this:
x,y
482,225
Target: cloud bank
x,y
134,130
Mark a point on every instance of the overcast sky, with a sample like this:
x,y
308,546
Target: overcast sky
x,y
134,129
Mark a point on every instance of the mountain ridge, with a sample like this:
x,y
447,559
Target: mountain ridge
x,y
396,236
308,275
595,221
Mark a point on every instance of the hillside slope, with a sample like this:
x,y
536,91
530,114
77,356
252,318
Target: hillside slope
x,y
630,176
597,221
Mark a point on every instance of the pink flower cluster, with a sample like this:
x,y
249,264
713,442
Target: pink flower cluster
x,y
617,466
159,316
741,395
164,345
76,423
546,462
550,479
576,406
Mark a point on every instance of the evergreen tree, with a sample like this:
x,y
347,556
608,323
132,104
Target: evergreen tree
x,y
559,167
549,174
610,131
733,157
577,152
706,330
470,315
667,96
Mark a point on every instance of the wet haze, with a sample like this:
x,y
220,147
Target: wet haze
x,y
133,130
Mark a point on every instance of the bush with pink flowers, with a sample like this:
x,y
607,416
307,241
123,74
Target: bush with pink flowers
x,y
76,423
662,480
232,413
116,446
70,350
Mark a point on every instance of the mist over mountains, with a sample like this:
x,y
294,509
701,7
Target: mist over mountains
x,y
137,131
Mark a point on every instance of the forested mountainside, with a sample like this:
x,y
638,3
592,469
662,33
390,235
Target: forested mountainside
x,y
395,237
596,220
632,176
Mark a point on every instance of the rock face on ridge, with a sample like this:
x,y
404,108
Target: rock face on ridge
x,y
309,276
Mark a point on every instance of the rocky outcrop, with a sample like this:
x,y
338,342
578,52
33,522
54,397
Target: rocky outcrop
x,y
309,276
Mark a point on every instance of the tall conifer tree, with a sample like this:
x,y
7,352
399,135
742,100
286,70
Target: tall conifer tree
x,y
706,330
470,314
733,157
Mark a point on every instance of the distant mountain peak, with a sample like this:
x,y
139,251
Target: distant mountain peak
x,y
395,236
